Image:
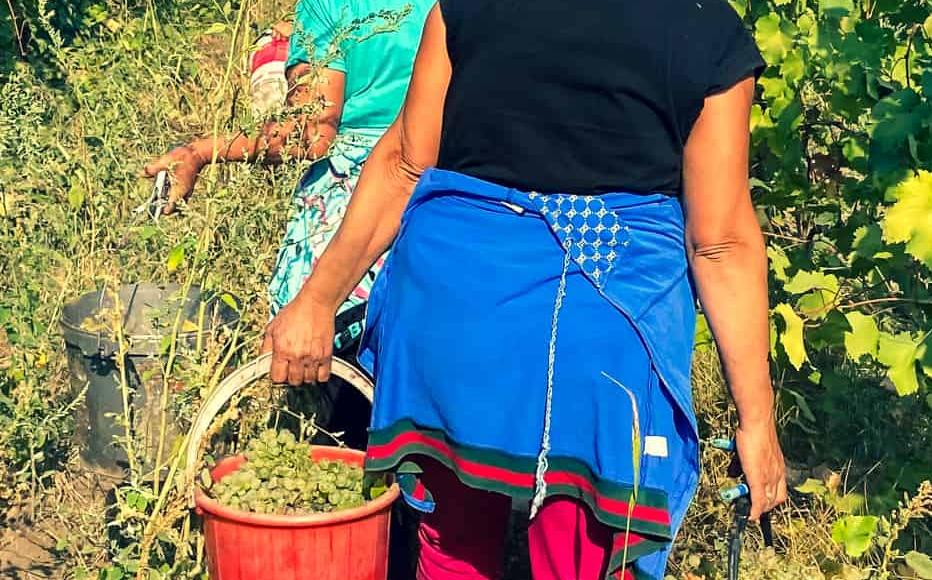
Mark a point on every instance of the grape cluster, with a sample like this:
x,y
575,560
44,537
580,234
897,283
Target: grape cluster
x,y
280,477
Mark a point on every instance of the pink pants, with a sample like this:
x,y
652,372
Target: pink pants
x,y
464,538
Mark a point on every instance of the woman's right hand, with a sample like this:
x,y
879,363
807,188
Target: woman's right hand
x,y
183,164
300,338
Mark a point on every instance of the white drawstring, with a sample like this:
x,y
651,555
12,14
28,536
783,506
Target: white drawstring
x,y
540,484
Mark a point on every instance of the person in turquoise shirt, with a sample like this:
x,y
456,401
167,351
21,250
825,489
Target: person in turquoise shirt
x,y
356,55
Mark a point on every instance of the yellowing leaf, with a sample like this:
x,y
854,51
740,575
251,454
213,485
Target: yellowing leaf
x,y
792,336
778,263
910,219
189,326
863,337
175,258
76,196
898,353
812,487
216,28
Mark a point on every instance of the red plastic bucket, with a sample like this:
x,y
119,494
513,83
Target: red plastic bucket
x,y
344,545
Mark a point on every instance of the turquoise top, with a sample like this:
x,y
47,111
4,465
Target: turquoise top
x,y
377,63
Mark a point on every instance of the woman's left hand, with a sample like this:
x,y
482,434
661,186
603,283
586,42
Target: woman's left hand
x,y
763,465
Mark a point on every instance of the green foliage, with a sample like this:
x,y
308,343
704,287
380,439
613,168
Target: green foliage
x,y
842,147
842,171
855,533
920,563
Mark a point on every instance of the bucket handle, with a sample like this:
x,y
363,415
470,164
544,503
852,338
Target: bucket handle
x,y
240,379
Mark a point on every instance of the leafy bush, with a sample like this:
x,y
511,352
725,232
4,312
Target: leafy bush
x,y
842,174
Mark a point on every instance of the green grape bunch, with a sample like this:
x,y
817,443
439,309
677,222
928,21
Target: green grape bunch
x,y
281,477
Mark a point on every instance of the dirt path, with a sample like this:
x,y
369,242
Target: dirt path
x,y
70,511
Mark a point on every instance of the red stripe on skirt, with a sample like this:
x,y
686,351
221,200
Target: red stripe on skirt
x,y
618,507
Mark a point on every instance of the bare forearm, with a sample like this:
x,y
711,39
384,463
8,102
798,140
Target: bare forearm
x,y
731,275
273,142
370,225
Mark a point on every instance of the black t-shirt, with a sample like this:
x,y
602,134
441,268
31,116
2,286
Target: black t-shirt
x,y
585,96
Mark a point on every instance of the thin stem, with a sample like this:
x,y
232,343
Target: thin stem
x,y
16,29
883,301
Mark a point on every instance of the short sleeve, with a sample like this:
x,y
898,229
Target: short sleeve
x,y
317,23
734,55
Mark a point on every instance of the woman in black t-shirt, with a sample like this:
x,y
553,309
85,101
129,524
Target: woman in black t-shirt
x,y
561,179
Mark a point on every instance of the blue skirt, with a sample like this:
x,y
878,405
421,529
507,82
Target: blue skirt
x,y
538,346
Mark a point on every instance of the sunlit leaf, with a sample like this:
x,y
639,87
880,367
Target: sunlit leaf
x,y
805,281
920,563
910,219
175,258
898,353
792,336
855,533
774,36
864,336
813,487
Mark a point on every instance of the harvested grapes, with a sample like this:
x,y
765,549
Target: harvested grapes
x,y
281,477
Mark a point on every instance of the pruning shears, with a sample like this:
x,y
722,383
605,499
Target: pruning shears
x,y
158,199
739,496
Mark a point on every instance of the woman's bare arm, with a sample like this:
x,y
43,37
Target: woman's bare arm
x,y
301,336
302,136
729,263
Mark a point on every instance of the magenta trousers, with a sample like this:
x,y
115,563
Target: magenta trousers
x,y
464,538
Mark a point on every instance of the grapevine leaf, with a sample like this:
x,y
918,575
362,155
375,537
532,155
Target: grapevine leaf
x,y
925,355
867,241
793,68
863,338
812,487
792,336
774,36
896,117
779,262
805,281
816,304
910,219
855,533
920,563
848,503
898,353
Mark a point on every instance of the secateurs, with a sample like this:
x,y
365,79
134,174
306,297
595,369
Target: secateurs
x,y
739,496
158,199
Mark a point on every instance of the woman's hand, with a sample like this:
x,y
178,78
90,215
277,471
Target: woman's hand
x,y
763,466
301,341
184,164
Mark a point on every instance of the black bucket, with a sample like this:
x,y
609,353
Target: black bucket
x,y
147,314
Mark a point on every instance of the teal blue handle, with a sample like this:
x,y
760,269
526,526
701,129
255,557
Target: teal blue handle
x,y
732,493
